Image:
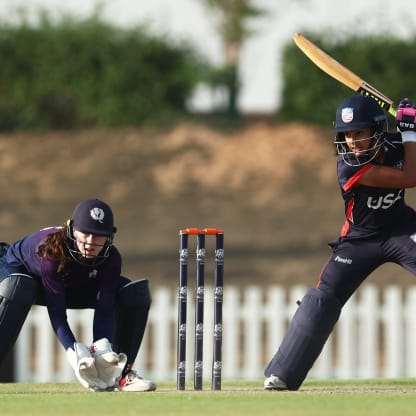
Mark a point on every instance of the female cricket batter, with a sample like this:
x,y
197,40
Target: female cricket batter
x,y
76,266
374,168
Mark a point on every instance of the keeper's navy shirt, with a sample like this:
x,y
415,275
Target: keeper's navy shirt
x,y
76,286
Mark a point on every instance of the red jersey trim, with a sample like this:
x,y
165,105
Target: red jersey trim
x,y
353,180
348,217
345,228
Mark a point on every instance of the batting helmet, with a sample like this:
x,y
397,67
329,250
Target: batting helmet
x,y
358,112
355,113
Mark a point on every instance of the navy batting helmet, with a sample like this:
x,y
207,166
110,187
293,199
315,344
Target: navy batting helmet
x,y
358,112
355,113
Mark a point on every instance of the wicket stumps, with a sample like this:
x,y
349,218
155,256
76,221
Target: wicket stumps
x,y
199,306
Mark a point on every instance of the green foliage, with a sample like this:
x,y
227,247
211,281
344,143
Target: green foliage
x,y
77,73
313,96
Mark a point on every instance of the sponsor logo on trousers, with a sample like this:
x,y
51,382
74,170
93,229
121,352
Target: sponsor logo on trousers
x,y
343,260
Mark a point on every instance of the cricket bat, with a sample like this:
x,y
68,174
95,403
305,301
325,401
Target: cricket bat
x,y
342,74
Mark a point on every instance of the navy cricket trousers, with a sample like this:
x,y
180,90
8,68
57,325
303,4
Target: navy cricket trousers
x,y
353,260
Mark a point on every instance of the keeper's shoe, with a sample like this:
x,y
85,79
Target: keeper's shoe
x,y
274,383
133,382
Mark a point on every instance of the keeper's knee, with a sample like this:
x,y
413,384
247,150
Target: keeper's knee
x,y
135,294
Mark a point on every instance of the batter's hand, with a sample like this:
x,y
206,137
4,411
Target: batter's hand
x,y
406,116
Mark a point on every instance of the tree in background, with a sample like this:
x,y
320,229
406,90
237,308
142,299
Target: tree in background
x,y
232,18
72,73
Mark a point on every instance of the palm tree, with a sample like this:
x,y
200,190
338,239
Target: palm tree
x,y
232,17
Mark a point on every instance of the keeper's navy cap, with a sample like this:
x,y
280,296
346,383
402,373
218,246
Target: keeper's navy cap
x,y
93,216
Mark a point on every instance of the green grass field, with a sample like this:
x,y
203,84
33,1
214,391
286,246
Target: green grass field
x,y
346,398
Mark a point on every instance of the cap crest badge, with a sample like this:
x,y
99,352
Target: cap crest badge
x,y
97,214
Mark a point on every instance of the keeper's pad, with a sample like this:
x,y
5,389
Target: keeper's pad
x,y
132,310
17,294
305,338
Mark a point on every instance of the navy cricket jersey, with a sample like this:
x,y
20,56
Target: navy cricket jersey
x,y
371,210
76,286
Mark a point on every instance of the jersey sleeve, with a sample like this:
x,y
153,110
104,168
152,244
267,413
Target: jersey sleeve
x,y
348,176
55,299
104,312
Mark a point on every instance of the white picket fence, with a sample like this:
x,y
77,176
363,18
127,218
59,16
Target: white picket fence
x,y
375,337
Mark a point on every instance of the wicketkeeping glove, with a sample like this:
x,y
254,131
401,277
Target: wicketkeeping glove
x,y
108,363
83,365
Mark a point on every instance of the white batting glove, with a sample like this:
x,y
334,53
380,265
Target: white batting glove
x,y
83,365
109,364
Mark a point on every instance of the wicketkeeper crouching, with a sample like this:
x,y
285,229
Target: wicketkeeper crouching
x,y
76,266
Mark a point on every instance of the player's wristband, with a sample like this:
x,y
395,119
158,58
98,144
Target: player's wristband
x,y
408,136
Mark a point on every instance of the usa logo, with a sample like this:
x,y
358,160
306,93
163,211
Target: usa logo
x,y
347,114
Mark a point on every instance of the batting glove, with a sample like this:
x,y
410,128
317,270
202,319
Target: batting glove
x,y
406,120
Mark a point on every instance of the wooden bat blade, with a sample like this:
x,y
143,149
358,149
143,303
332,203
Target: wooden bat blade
x,y
342,74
